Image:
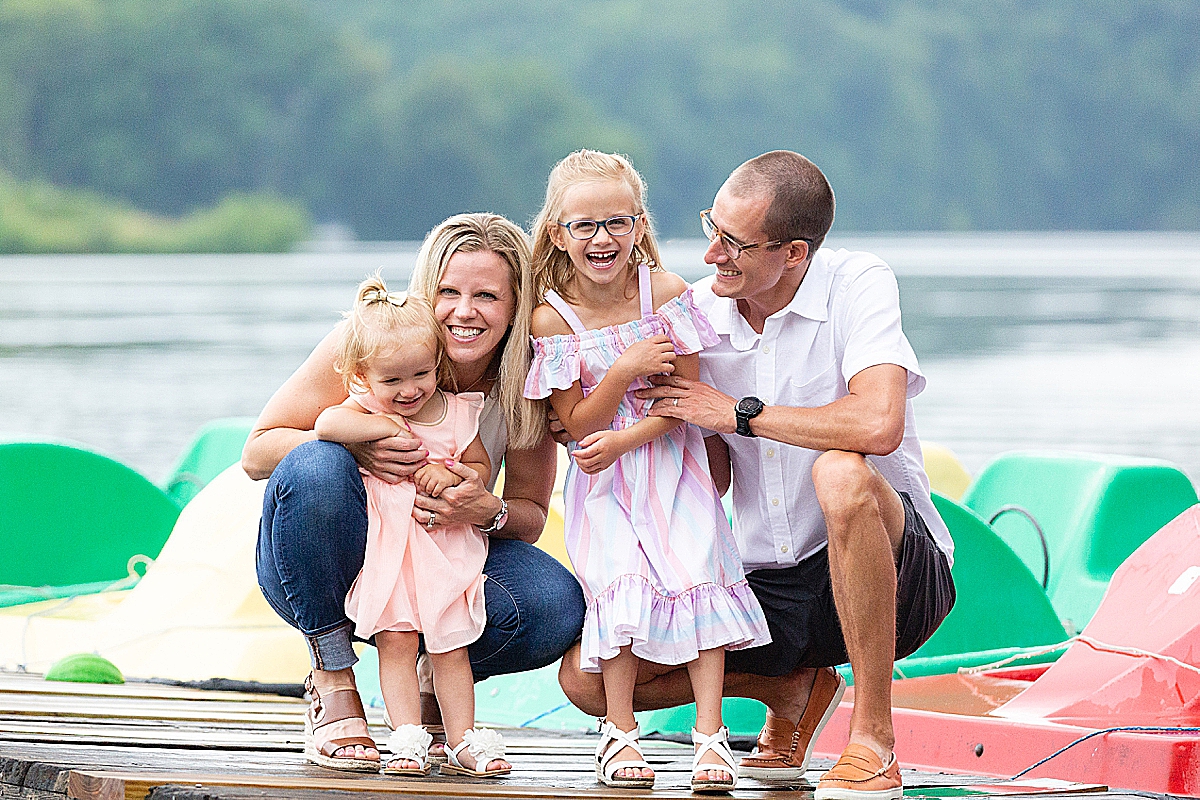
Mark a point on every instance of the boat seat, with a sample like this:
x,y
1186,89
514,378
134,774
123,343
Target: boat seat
x,y
1094,510
72,516
215,446
998,604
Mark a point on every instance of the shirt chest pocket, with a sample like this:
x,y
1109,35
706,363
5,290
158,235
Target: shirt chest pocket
x,y
819,390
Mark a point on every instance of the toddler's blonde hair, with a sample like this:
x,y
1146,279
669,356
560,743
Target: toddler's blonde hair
x,y
552,268
380,323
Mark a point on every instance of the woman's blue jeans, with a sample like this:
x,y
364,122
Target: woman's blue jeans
x,y
310,548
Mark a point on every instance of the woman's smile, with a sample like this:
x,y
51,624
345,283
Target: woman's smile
x,y
475,303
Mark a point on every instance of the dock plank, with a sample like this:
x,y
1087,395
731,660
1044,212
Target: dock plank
x,y
61,741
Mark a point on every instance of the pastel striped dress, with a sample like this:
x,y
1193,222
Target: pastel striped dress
x,y
648,537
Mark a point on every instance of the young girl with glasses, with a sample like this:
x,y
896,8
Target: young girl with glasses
x,y
415,579
645,529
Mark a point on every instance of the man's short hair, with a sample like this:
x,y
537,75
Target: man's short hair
x,y
802,199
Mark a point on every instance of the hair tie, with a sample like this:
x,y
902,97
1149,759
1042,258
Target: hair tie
x,y
380,296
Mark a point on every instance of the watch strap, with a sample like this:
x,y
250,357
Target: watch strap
x,y
498,520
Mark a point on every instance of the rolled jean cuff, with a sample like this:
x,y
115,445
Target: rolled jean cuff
x,y
332,650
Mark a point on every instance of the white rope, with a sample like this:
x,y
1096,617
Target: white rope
x,y
1095,644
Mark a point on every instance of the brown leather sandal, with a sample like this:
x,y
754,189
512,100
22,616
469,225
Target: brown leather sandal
x,y
322,719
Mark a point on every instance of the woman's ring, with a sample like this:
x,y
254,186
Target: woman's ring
x,y
432,517
676,402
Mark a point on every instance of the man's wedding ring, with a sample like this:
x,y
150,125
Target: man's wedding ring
x,y
676,402
432,517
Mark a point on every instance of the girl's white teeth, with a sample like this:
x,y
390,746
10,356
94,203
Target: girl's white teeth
x,y
465,333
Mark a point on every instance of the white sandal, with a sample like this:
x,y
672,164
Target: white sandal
x,y
408,743
612,741
437,748
718,743
486,745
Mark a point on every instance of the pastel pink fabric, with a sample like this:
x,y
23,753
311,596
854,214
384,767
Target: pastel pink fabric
x,y
648,537
415,579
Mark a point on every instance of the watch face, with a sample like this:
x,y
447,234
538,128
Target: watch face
x,y
749,405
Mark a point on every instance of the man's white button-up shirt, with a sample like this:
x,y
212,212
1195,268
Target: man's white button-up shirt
x,y
844,318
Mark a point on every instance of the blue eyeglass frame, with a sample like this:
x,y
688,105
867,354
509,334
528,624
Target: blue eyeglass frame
x,y
601,223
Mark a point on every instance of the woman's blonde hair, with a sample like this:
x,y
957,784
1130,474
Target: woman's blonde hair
x,y
472,233
552,268
381,322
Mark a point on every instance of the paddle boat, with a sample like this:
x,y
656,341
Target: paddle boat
x,y
1120,706
77,522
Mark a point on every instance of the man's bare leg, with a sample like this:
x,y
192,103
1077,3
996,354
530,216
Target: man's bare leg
x,y
865,519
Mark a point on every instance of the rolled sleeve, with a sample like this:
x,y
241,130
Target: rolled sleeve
x,y
870,316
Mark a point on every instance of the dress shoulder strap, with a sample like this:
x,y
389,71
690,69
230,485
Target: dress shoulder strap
x,y
644,290
568,313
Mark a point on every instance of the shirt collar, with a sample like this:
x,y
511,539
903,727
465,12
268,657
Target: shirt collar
x,y
811,301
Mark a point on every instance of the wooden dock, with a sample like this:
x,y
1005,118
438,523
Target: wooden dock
x,y
138,740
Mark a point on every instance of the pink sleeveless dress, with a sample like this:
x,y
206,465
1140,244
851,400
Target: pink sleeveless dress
x,y
415,579
648,537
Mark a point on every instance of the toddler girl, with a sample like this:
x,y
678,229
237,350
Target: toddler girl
x,y
645,529
415,580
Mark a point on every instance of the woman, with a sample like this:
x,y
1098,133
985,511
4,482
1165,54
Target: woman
x,y
475,270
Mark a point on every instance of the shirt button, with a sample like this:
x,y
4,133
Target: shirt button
x,y
775,501
783,549
766,348
770,452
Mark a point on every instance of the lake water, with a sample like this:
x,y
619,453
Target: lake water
x,y
1048,341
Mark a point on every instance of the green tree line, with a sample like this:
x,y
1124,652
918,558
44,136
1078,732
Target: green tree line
x,y
944,114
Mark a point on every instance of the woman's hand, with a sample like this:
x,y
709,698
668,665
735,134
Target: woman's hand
x,y
652,356
469,501
598,451
391,459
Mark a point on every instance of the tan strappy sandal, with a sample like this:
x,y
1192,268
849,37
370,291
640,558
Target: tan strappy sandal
x,y
320,729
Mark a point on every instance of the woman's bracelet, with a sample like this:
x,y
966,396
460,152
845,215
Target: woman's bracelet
x,y
499,520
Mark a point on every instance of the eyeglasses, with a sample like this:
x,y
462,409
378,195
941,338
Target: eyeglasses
x,y
732,247
584,229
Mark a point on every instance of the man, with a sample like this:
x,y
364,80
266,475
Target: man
x,y
808,395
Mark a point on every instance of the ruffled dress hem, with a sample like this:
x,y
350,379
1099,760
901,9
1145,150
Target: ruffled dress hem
x,y
667,629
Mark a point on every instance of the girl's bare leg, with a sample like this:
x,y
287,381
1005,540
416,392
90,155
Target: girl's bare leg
x,y
398,681
620,674
455,687
708,677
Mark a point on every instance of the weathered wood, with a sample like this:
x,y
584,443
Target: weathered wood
x,y
26,684
135,786
171,743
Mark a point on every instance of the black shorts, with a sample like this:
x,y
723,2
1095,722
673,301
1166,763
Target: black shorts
x,y
798,603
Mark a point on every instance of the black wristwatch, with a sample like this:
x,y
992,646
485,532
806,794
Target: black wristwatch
x,y
747,409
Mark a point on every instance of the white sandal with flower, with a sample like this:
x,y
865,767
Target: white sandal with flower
x,y
408,743
485,746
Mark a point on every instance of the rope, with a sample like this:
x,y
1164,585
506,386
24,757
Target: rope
x,y
1095,644
1120,728
529,722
